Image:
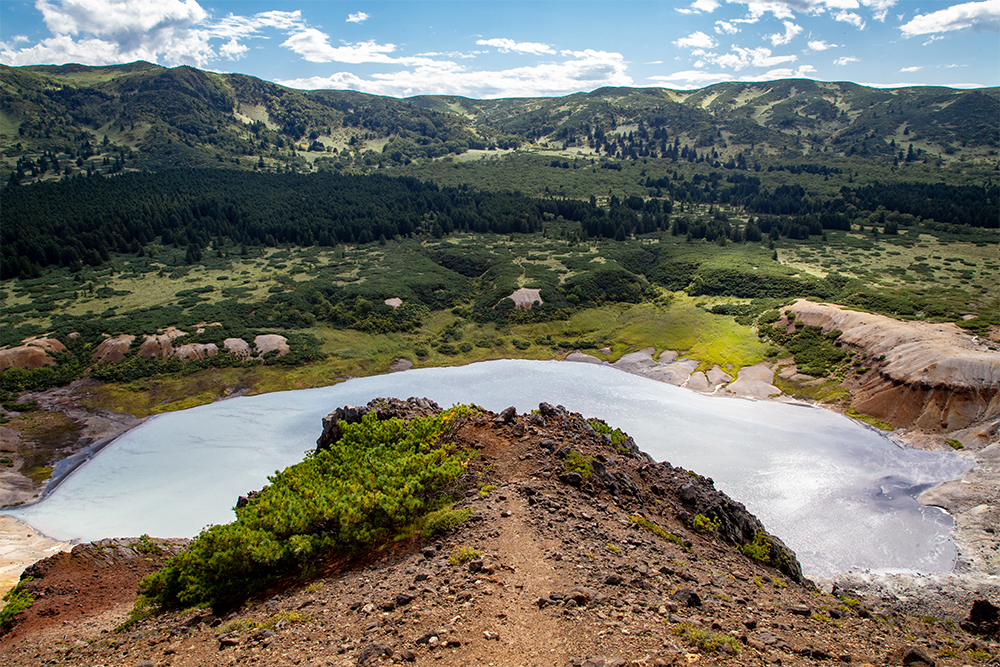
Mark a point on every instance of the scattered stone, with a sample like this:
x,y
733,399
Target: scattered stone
x,y
910,655
687,598
428,636
800,610
491,636
572,478
373,651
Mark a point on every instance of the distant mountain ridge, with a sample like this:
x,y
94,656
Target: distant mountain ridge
x,y
141,115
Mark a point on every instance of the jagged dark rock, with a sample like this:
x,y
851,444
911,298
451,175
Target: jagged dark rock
x,y
984,619
384,408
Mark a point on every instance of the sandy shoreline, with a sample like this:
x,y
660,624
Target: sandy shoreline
x,y
973,500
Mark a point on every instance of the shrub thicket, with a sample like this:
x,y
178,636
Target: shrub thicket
x,y
379,478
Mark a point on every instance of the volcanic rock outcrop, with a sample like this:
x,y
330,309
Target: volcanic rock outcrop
x,y
625,563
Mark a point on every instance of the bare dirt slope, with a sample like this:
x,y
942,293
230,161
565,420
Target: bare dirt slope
x,y
931,376
609,570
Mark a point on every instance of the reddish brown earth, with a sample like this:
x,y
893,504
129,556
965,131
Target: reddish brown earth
x,y
931,376
33,353
566,576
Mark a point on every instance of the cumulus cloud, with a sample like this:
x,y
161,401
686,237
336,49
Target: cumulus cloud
x,y
699,6
740,58
696,40
845,60
64,49
360,17
577,70
315,47
692,78
978,16
726,28
915,68
507,45
100,32
233,49
172,32
821,45
851,17
791,31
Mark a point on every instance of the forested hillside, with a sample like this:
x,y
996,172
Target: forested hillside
x,y
139,200
61,120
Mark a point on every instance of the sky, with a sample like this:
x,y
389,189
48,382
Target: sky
x,y
508,48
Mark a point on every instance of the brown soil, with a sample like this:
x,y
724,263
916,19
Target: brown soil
x,y
566,575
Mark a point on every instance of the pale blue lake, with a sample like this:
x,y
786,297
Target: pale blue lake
x,y
839,494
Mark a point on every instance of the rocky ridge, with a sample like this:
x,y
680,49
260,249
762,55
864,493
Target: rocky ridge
x,y
631,562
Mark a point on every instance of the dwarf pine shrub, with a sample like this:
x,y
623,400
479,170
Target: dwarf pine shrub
x,y
379,478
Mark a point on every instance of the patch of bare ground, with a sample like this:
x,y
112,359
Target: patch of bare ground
x,y
553,567
46,444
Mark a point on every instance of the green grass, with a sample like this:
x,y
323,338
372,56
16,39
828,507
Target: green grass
x,y
871,421
706,640
464,554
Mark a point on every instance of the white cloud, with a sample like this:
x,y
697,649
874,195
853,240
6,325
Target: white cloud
x,y
507,45
699,6
109,31
172,32
791,31
880,7
315,47
696,40
915,68
579,70
851,17
126,21
821,45
64,49
726,28
845,60
694,78
788,9
233,49
740,58
800,72
979,16
360,17
244,26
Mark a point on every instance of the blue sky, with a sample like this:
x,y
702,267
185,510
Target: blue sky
x,y
508,48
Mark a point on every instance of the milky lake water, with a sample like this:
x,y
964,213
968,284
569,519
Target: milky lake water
x,y
839,494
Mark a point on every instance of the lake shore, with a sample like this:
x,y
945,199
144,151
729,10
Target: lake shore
x,y
967,499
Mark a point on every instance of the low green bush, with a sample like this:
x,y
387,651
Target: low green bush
x,y
379,478
18,599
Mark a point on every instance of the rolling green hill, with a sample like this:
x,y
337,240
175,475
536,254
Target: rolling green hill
x,y
58,120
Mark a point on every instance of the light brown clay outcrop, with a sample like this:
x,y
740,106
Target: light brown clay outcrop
x,y
112,350
932,376
33,353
